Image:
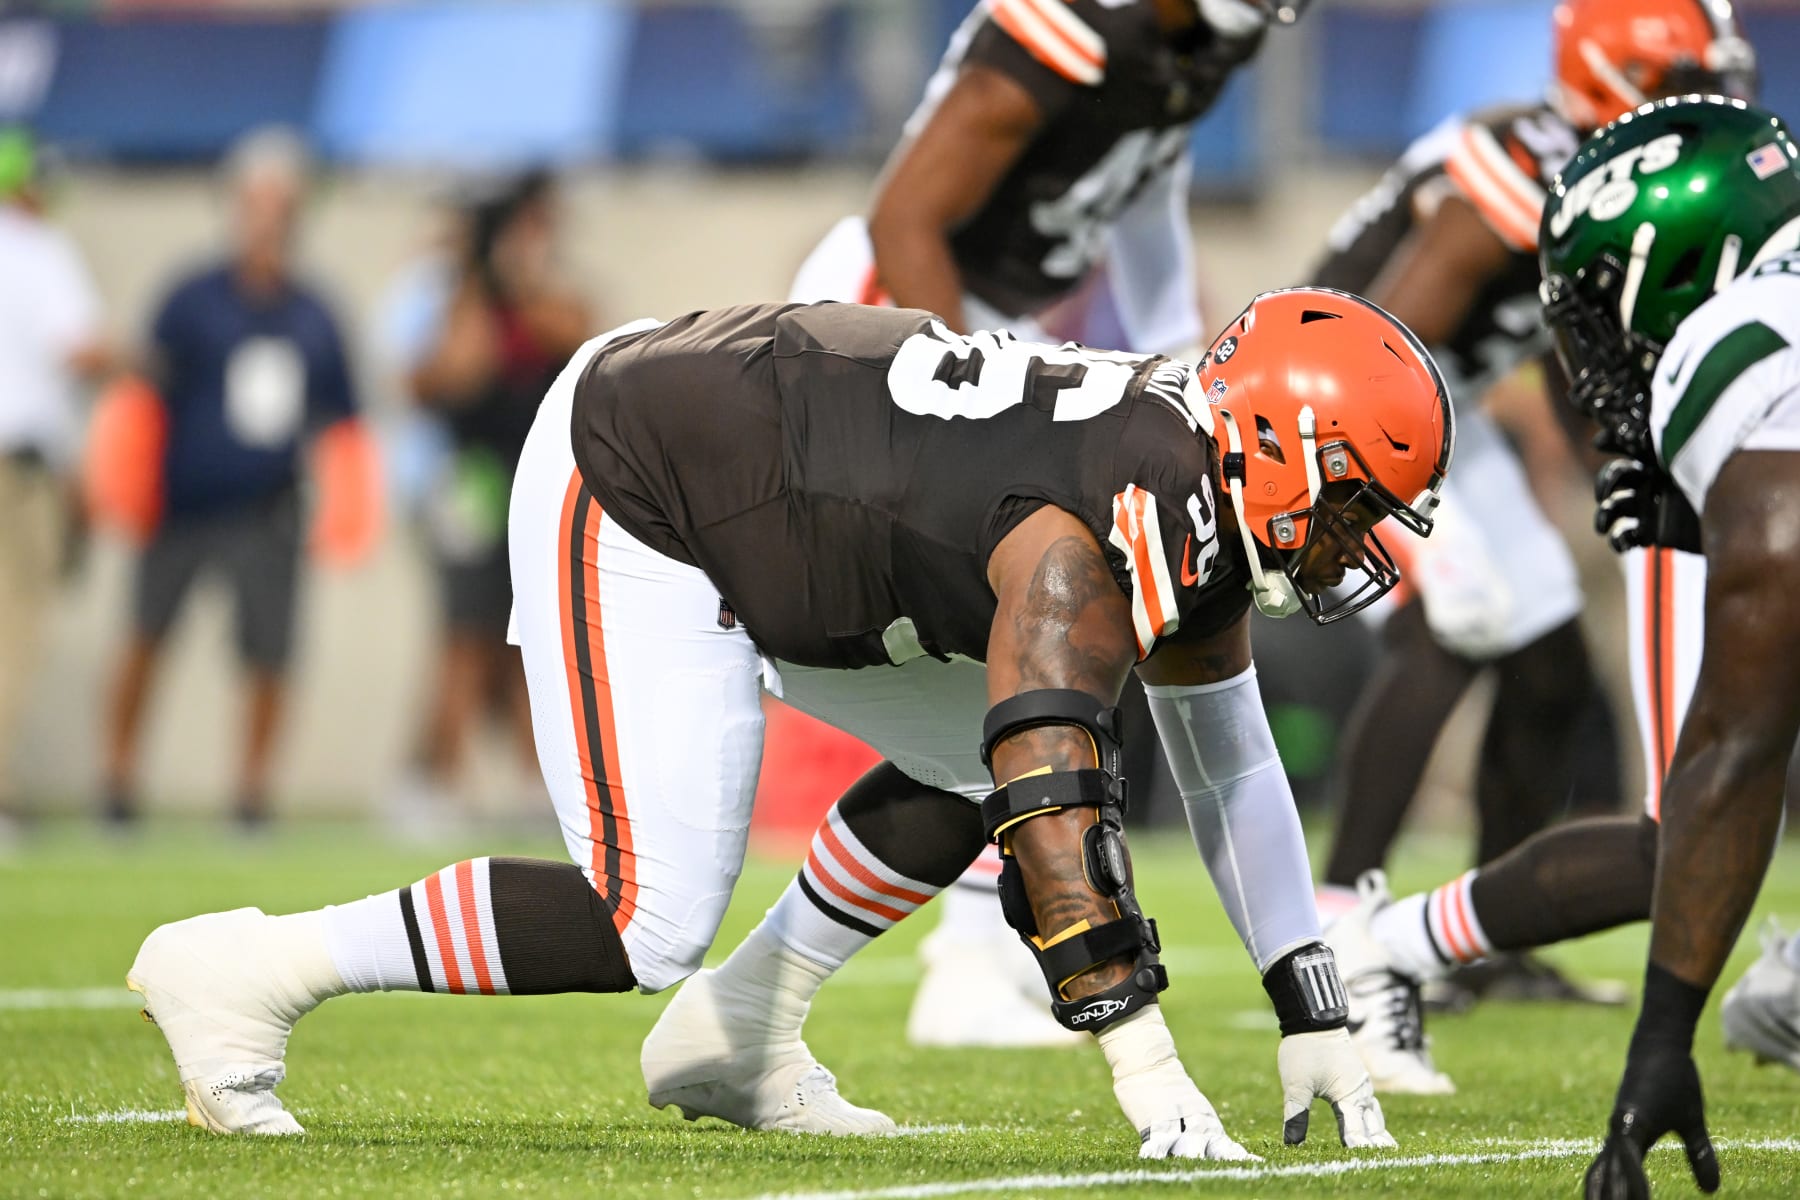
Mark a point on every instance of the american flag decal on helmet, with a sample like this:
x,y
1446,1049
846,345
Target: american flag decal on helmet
x,y
1767,160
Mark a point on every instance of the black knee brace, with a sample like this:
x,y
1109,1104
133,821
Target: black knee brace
x,y
1104,859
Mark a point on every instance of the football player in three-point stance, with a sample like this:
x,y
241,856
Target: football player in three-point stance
x,y
1050,148
955,547
1672,286
1447,243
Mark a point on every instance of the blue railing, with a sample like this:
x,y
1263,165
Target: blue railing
x,y
494,83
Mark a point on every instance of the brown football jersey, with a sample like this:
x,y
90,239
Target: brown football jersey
x,y
842,473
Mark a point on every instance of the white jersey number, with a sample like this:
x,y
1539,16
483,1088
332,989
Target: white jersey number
x,y
942,374
1079,219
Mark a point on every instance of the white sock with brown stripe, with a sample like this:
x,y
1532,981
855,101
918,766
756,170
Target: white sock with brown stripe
x,y
843,898
436,936
1429,934
887,846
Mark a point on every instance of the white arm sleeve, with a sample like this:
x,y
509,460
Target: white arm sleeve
x,y
1240,809
1150,267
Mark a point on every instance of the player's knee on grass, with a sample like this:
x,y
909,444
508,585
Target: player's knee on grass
x,y
555,932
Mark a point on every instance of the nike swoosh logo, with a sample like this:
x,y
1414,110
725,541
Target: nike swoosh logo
x,y
1189,577
1675,371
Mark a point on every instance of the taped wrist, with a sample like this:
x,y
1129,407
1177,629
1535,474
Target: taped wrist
x,y
1670,1011
1074,951
1306,991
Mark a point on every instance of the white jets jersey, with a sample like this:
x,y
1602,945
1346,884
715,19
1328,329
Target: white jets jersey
x,y
1730,378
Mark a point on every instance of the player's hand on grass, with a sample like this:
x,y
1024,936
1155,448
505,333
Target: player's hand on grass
x,y
1659,1094
1326,1066
1172,1118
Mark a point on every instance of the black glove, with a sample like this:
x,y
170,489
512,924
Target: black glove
x,y
1659,1094
1639,505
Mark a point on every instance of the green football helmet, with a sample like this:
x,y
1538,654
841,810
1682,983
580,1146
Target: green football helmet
x,y
1654,214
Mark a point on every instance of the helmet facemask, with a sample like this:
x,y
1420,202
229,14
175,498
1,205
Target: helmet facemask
x,y
1608,368
1335,531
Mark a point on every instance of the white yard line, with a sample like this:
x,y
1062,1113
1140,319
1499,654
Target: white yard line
x,y
126,1116
53,998
1547,1149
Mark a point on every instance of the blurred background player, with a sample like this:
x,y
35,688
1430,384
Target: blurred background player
x,y
480,343
51,341
250,367
1051,147
1447,242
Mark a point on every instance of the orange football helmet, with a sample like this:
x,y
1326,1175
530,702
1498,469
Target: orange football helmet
x,y
1333,417
1614,55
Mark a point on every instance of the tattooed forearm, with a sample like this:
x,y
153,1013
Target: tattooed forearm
x,y
1069,626
1049,853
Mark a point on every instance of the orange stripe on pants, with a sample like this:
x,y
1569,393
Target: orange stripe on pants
x,y
1665,633
613,862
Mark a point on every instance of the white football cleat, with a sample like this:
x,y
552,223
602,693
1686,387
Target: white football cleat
x,y
983,991
226,989
1761,1012
1387,1022
713,1053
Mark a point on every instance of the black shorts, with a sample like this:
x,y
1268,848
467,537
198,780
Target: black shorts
x,y
477,591
255,548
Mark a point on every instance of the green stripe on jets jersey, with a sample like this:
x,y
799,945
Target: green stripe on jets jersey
x,y
1729,358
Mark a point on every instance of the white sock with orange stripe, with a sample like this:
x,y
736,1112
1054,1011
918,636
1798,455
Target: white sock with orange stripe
x,y
843,898
481,927
436,936
1429,934
367,943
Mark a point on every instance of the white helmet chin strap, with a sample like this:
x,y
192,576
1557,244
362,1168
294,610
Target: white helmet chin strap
x,y
1272,592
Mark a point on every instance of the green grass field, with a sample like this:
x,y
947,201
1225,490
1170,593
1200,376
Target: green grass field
x,y
410,1095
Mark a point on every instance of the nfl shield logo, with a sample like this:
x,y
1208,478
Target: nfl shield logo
x,y
1766,160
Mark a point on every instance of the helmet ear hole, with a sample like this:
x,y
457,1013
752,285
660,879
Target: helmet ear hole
x,y
1267,441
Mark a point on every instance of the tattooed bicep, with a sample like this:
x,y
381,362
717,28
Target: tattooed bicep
x,y
1073,624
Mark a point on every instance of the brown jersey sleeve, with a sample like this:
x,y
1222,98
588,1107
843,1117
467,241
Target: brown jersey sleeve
x,y
1502,162
1171,549
1045,46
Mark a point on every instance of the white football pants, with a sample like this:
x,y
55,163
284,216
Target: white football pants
x,y
1495,575
1665,607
